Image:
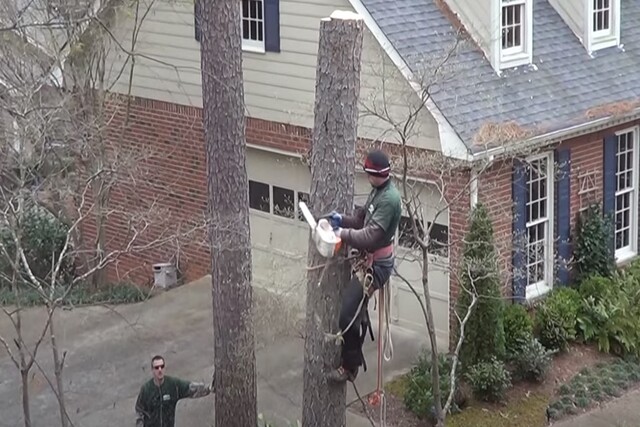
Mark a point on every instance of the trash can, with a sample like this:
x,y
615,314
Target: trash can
x,y
164,275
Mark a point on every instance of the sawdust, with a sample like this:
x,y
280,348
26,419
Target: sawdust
x,y
492,133
612,109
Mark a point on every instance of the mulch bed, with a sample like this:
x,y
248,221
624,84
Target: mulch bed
x,y
525,405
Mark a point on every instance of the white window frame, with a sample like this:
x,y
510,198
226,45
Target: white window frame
x,y
604,38
626,252
272,214
519,55
250,45
540,288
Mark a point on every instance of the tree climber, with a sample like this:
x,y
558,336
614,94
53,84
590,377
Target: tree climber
x,y
371,231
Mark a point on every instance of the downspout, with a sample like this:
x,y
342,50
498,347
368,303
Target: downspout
x,y
473,187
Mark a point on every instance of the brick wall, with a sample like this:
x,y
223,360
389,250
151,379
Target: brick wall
x,y
174,172
494,190
174,168
586,166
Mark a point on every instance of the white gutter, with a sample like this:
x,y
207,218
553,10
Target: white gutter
x,y
559,135
451,144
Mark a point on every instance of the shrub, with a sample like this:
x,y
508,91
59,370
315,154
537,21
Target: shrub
x,y
120,293
518,328
610,316
596,286
484,332
592,252
556,319
418,397
593,385
533,361
42,240
489,380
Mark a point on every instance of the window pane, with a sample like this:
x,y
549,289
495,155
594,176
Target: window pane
x,y
245,8
512,26
260,31
302,197
625,211
252,20
539,239
405,233
283,202
245,29
259,196
439,240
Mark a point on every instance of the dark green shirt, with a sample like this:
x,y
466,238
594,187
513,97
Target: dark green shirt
x,y
384,207
157,404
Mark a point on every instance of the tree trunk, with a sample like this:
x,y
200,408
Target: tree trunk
x,y
435,370
332,186
228,203
24,366
58,366
26,410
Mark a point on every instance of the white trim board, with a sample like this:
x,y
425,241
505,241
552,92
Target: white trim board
x,y
451,144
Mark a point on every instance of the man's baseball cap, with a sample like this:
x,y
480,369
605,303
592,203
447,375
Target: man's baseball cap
x,y
377,164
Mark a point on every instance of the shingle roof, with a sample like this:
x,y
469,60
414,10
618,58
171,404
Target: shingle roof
x,y
554,94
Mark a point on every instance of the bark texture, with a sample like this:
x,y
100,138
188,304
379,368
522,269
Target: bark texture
x,y
228,207
332,186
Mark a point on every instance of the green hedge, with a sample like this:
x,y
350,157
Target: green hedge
x,y
42,238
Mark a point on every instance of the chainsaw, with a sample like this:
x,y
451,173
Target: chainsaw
x,y
327,243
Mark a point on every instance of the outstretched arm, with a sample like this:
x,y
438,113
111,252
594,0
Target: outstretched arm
x,y
356,220
194,390
367,238
199,390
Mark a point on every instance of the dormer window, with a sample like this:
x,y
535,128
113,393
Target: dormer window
x,y
516,32
512,28
603,20
601,17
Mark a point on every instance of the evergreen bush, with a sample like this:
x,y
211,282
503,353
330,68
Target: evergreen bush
x,y
592,251
484,332
42,239
518,328
557,318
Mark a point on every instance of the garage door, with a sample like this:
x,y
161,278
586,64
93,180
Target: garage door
x,y
280,237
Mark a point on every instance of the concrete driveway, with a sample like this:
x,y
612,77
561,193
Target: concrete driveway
x,y
108,353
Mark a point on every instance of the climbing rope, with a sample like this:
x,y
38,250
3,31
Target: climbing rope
x,y
385,343
366,281
388,342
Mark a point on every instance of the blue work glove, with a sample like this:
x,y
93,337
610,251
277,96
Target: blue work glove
x,y
335,219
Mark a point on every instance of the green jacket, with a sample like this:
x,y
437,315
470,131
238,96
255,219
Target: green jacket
x,y
156,405
374,225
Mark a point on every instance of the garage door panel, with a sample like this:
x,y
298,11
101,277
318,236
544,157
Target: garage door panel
x,y
280,244
282,235
406,312
406,304
279,272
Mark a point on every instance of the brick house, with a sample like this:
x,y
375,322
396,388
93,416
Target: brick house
x,y
558,78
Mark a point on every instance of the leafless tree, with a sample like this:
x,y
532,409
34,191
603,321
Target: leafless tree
x,y
61,163
401,115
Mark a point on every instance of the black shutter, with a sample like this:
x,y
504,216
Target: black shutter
x,y
272,25
519,242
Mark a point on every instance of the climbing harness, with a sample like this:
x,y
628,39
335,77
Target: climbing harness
x,y
363,267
